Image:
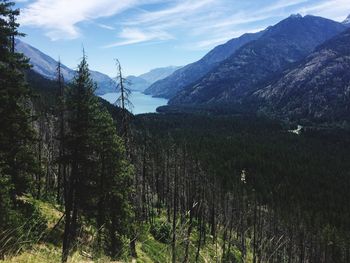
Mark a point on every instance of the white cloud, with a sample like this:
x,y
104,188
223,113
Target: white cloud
x,y
220,39
135,35
60,18
154,26
227,27
333,9
180,10
281,5
213,21
106,26
205,23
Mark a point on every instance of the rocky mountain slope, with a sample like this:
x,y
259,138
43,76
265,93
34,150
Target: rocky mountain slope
x,y
318,88
257,62
177,81
46,66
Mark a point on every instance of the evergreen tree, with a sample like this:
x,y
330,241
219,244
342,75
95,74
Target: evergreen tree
x,y
17,162
98,185
114,211
81,104
15,133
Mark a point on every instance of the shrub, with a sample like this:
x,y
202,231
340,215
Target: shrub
x,y
233,256
161,231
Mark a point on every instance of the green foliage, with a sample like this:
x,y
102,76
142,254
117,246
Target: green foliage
x,y
101,178
232,256
17,161
15,133
301,180
25,227
161,231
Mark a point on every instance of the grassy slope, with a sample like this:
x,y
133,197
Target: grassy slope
x,y
48,248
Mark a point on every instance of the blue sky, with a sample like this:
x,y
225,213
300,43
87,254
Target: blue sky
x,y
145,34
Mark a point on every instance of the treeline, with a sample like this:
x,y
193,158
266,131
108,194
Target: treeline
x,y
262,194
67,151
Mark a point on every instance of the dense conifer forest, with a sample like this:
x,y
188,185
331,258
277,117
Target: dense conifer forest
x,y
82,180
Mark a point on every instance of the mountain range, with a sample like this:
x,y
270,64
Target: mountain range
x,y
142,82
318,88
182,77
46,66
296,69
258,61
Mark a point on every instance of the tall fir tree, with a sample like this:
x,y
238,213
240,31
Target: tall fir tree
x,y
17,162
98,185
81,104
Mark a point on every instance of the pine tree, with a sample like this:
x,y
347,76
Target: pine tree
x,y
17,162
15,133
81,103
99,183
115,214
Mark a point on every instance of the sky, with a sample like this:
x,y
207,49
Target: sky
x,y
147,34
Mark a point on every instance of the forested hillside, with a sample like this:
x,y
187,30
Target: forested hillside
x,y
317,89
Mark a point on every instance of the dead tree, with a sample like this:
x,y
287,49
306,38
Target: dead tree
x,y
123,101
61,176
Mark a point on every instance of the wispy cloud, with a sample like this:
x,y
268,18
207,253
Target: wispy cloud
x,y
212,21
134,35
335,9
281,5
60,18
181,9
200,23
216,40
156,25
106,26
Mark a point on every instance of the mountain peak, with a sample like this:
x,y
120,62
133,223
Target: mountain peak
x,y
296,16
347,21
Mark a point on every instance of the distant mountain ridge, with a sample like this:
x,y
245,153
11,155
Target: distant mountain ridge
x,y
142,82
318,88
46,66
258,61
181,78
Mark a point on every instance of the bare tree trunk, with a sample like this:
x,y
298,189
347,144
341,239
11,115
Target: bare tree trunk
x,y
199,243
173,244
254,229
189,231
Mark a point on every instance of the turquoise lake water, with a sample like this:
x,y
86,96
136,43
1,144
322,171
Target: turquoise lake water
x,y
142,103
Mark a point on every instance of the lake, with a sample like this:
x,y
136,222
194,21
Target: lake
x,y
142,103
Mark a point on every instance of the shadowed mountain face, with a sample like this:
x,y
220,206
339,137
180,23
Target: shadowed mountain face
x,y
317,88
257,62
46,66
177,81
